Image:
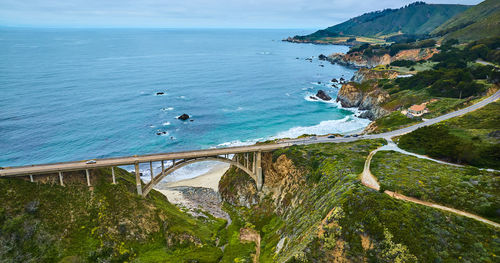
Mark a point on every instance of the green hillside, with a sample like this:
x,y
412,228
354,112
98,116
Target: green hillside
x,y
480,21
42,222
416,18
315,209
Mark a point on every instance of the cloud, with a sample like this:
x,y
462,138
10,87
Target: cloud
x,y
191,13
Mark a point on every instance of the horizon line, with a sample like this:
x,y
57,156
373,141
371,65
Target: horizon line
x,y
145,27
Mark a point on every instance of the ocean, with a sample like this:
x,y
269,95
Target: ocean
x,y
73,94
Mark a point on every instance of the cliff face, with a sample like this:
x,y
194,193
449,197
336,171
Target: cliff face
x,y
364,74
239,189
368,99
300,184
282,178
360,60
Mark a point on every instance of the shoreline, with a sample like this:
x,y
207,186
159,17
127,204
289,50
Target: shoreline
x,y
209,179
200,192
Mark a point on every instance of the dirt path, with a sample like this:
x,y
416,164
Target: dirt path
x,y
370,181
392,146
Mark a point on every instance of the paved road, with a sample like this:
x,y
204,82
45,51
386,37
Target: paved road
x,y
128,160
402,131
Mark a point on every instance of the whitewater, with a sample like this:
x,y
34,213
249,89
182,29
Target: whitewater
x,y
77,94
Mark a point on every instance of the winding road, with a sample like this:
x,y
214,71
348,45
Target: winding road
x,y
370,181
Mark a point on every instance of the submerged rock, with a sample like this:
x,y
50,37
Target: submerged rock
x,y
183,117
322,95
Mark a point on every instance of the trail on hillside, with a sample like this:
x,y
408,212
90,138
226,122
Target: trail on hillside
x,y
369,180
392,146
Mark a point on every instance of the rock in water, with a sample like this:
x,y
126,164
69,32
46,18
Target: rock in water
x,y
183,117
367,115
160,93
322,95
322,57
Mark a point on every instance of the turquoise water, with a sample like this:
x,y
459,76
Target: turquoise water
x,y
72,94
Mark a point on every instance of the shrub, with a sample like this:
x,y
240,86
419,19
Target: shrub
x,y
403,63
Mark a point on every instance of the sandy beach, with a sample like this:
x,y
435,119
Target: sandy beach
x,y
196,193
208,180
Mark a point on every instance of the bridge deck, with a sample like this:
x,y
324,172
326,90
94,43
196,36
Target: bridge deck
x,y
129,160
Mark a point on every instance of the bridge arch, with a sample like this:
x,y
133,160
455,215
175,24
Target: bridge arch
x,y
177,165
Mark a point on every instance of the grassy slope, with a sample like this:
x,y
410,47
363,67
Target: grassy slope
x,y
395,230
403,99
477,22
467,189
473,131
414,19
110,223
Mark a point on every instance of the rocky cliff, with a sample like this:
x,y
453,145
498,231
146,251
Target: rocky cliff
x,y
364,74
366,96
361,60
282,178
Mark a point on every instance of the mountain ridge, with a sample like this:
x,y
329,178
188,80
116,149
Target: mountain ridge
x,y
479,21
417,18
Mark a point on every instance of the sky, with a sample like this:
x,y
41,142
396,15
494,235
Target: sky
x,y
192,13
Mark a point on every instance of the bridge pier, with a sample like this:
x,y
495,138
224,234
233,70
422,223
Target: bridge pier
x,y
162,168
113,174
258,171
138,179
61,179
88,177
151,170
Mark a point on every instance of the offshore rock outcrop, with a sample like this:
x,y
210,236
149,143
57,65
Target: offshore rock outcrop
x,y
366,97
323,95
183,117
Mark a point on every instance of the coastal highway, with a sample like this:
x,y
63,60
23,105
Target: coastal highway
x,y
129,160
408,129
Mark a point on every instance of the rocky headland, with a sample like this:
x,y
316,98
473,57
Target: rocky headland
x,y
323,41
364,74
362,60
367,97
363,91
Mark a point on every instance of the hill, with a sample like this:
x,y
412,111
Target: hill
x,y
480,21
414,19
314,209
44,222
